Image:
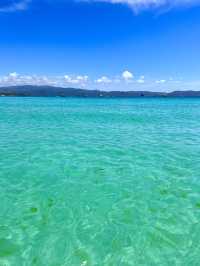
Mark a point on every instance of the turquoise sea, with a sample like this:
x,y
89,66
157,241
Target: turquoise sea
x,y
99,182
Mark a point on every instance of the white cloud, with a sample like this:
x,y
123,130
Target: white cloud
x,y
82,78
69,79
103,83
13,75
76,80
103,79
14,78
141,80
144,4
136,5
127,75
14,5
161,81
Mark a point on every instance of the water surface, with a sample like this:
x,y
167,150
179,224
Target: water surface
x,y
99,182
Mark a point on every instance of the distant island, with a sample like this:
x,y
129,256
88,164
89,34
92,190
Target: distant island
x,y
51,91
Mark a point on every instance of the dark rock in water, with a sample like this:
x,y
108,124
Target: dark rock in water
x,y
50,202
198,205
51,91
33,209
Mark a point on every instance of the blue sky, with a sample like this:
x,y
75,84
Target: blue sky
x,y
111,44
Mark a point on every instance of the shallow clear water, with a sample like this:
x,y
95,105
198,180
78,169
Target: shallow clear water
x,y
107,182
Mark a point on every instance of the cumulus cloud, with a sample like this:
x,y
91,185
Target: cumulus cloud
x,y
141,80
103,83
103,79
13,75
13,79
76,80
127,75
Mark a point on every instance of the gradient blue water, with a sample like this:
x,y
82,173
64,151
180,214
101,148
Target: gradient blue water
x,y
107,182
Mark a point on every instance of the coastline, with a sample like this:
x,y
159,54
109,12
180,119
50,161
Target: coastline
x,y
50,91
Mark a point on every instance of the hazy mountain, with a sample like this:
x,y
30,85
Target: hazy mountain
x,y
50,91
